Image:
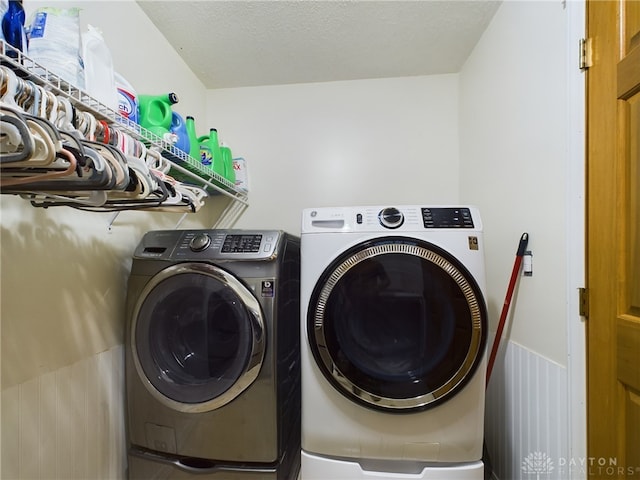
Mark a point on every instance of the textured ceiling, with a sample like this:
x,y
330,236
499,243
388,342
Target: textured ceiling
x,y
235,43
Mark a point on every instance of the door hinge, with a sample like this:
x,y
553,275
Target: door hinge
x,y
583,302
586,53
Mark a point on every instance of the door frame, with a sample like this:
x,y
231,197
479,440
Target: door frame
x,y
576,238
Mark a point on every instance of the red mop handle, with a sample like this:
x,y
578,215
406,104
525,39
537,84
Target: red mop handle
x,y
522,246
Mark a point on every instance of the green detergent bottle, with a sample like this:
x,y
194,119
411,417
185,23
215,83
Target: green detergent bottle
x,y
156,113
210,154
194,144
227,160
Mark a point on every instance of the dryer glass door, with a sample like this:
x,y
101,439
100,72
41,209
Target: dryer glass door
x,y
197,337
397,324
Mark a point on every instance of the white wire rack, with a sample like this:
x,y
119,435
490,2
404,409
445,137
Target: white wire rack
x,y
187,166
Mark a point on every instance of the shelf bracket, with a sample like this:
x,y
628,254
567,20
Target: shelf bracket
x,y
113,219
184,215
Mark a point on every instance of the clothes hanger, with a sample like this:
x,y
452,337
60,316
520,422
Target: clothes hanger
x,y
93,198
51,175
46,143
9,87
16,141
116,161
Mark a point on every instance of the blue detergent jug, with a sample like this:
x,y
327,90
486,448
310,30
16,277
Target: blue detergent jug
x,y
13,27
179,129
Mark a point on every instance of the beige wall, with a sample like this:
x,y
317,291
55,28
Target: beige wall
x,y
62,290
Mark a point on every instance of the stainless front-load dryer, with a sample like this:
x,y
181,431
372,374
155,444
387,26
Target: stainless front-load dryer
x,y
212,355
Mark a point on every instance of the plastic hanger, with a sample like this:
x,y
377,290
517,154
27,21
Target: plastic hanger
x,y
70,170
16,141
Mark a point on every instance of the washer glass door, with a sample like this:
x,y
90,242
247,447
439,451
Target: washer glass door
x,y
197,337
397,324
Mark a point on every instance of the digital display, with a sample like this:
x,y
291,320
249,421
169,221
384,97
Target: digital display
x,y
242,244
447,218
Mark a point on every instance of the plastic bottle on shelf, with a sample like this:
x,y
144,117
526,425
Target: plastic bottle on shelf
x,y
227,161
4,6
13,31
179,129
206,158
241,174
194,145
99,78
156,113
127,98
217,164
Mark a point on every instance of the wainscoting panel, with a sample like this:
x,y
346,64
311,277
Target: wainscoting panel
x,y
527,421
67,424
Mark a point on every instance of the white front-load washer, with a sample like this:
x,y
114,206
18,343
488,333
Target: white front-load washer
x,y
393,342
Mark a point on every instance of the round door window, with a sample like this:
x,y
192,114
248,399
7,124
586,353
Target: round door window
x,y
197,337
397,324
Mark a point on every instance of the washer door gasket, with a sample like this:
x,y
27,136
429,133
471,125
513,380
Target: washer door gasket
x,y
197,337
397,324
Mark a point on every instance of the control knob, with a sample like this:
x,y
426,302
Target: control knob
x,y
391,217
200,242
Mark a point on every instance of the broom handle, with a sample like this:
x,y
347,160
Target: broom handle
x,y
522,246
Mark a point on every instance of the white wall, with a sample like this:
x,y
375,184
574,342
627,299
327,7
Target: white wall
x,y
63,284
139,51
513,123
521,162
389,141
495,135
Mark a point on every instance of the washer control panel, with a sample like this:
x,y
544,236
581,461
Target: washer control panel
x,y
396,218
447,217
210,244
391,217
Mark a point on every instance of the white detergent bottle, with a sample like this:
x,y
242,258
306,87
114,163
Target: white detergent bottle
x,y
127,99
99,78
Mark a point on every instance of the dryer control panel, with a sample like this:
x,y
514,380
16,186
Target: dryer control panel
x,y
209,245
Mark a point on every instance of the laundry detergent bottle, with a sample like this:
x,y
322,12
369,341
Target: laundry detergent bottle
x,y
156,113
13,30
99,77
206,158
227,161
194,145
127,98
179,129
217,163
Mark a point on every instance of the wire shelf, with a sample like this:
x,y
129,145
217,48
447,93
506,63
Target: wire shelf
x,y
185,167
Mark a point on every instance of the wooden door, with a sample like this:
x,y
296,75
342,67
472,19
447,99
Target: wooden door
x,y
613,240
